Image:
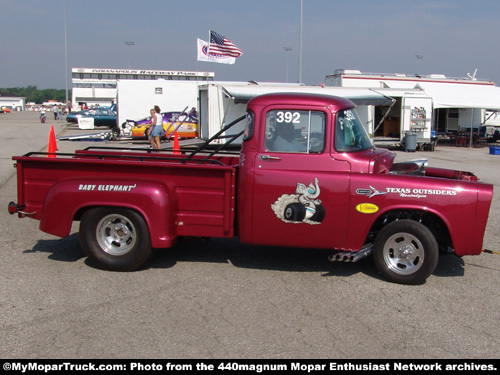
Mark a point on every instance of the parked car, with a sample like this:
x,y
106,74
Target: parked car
x,y
5,110
187,129
103,116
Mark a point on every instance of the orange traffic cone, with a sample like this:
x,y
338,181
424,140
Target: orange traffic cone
x,y
52,148
176,148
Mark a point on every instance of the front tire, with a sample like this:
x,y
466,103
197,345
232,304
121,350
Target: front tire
x,y
406,252
115,239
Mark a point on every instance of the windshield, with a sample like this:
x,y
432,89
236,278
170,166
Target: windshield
x,y
350,134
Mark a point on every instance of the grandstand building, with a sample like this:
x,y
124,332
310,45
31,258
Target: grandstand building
x,y
97,87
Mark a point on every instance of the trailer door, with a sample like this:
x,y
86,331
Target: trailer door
x,y
417,117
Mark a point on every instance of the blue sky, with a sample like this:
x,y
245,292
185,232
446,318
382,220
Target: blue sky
x,y
455,37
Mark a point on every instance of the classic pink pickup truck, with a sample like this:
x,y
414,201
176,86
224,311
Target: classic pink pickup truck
x,y
307,175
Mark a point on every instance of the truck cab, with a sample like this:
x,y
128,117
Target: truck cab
x,y
309,176
296,163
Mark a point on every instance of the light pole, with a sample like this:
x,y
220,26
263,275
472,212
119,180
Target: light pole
x,y
129,44
300,41
65,58
287,49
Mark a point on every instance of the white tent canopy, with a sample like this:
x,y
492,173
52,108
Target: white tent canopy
x,y
360,96
462,95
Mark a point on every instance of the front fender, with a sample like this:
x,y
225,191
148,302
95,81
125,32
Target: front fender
x,y
150,198
463,206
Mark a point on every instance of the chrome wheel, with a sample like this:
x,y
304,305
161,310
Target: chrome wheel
x,y
126,130
115,238
406,252
116,234
403,253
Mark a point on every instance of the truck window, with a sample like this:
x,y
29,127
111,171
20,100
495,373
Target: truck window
x,y
350,134
295,131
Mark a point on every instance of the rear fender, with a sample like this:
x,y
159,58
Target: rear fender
x,y
151,199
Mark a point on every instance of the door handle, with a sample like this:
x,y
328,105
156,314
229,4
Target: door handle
x,y
267,157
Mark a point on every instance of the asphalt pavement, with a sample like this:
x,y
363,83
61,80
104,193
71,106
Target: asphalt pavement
x,y
227,300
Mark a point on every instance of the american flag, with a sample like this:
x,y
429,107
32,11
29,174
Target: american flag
x,y
220,45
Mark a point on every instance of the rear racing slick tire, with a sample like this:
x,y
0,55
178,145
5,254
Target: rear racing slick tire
x,y
295,212
406,252
115,239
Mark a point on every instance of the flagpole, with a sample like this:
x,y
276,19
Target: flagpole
x,y
208,41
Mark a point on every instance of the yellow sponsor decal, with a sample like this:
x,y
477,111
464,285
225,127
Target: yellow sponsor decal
x,y
367,208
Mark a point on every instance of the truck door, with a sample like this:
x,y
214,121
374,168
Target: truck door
x,y
300,193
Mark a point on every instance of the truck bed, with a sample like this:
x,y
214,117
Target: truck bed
x,y
102,176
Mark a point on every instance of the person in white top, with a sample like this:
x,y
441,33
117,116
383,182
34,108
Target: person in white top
x,y
156,128
56,112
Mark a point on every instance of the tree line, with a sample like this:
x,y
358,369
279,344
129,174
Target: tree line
x,y
38,96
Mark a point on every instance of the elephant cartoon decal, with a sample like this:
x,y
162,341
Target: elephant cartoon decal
x,y
301,207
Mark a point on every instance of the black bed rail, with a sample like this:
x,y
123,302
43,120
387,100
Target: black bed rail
x,y
205,151
205,147
139,157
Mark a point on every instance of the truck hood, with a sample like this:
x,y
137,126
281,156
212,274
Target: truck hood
x,y
419,167
379,160
376,160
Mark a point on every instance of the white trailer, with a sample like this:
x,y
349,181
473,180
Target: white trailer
x,y
135,98
458,103
491,119
220,103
